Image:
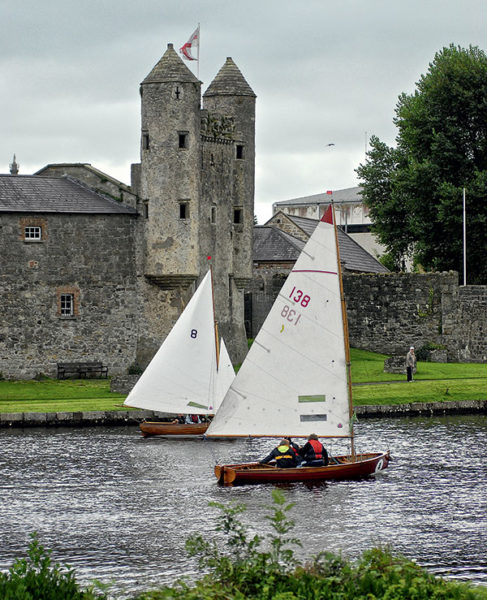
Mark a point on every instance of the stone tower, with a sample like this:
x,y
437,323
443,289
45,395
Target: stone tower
x,y
195,183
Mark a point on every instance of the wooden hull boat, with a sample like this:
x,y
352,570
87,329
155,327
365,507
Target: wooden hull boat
x,y
347,467
150,428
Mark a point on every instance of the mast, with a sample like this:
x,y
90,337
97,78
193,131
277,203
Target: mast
x,y
215,322
345,334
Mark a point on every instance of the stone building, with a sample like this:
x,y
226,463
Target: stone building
x,y
92,269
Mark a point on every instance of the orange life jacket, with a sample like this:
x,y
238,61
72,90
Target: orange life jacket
x,y
317,447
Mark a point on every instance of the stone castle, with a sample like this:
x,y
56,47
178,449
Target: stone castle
x,y
95,270
92,269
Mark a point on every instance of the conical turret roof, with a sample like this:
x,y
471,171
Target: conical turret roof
x,y
229,81
171,68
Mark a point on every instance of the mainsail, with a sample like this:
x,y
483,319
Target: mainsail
x,y
183,376
294,379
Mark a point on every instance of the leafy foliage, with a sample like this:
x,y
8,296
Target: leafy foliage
x,y
37,578
245,570
414,191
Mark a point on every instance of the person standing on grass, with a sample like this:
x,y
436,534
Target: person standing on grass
x,y
410,363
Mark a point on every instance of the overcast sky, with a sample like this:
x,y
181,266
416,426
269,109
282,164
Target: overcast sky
x,y
324,73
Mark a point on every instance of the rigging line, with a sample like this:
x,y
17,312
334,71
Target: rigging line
x,y
214,457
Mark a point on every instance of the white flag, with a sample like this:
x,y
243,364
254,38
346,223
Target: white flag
x,y
193,42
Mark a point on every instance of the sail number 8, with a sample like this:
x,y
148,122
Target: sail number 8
x,y
300,297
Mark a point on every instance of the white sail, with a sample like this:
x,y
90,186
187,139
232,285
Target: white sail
x,y
294,378
182,376
225,375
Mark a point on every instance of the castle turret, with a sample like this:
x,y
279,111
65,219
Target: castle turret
x,y
196,182
170,168
228,136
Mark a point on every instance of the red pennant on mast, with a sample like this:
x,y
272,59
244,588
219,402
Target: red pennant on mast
x,y
328,216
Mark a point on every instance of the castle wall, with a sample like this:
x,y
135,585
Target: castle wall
x,y
389,312
88,256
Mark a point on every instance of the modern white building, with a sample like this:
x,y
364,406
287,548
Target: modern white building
x,y
352,214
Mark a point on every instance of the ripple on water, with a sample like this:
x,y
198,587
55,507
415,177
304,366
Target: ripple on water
x,y
118,507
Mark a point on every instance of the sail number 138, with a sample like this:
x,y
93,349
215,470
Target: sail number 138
x,y
299,297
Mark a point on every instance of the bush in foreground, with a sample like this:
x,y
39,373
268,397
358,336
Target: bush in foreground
x,y
259,568
267,569
38,578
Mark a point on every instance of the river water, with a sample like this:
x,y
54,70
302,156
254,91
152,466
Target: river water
x,y
118,508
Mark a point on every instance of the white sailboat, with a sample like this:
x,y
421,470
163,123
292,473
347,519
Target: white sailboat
x,y
295,379
190,373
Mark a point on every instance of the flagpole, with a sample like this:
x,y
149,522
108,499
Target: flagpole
x,y
199,44
464,241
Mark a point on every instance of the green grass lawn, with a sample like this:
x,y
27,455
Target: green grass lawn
x,y
434,382
52,395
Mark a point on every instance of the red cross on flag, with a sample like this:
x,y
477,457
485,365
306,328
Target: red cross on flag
x,y
190,45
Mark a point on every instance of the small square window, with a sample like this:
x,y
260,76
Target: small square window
x,y
239,151
67,305
32,233
183,140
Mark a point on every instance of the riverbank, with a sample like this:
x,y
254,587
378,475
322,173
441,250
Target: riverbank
x,y
134,417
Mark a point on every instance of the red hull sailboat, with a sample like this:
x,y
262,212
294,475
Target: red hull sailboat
x,y
296,378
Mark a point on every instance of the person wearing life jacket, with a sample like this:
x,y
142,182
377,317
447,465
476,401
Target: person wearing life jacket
x,y
283,454
295,448
313,452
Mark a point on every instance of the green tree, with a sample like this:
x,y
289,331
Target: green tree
x,y
414,191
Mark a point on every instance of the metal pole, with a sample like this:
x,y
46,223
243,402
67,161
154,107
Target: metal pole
x,y
464,241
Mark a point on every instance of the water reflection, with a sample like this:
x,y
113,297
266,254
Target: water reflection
x,y
116,506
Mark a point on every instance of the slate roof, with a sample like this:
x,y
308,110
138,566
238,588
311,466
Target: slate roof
x,y
352,256
88,167
274,245
171,68
31,193
229,81
346,196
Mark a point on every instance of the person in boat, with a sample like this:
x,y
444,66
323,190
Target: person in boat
x,y
295,448
179,420
313,453
283,454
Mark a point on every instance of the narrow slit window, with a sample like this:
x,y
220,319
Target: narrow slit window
x,y
213,215
145,141
183,210
237,215
239,153
67,305
183,140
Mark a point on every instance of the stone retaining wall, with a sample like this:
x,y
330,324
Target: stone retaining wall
x,y
134,417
